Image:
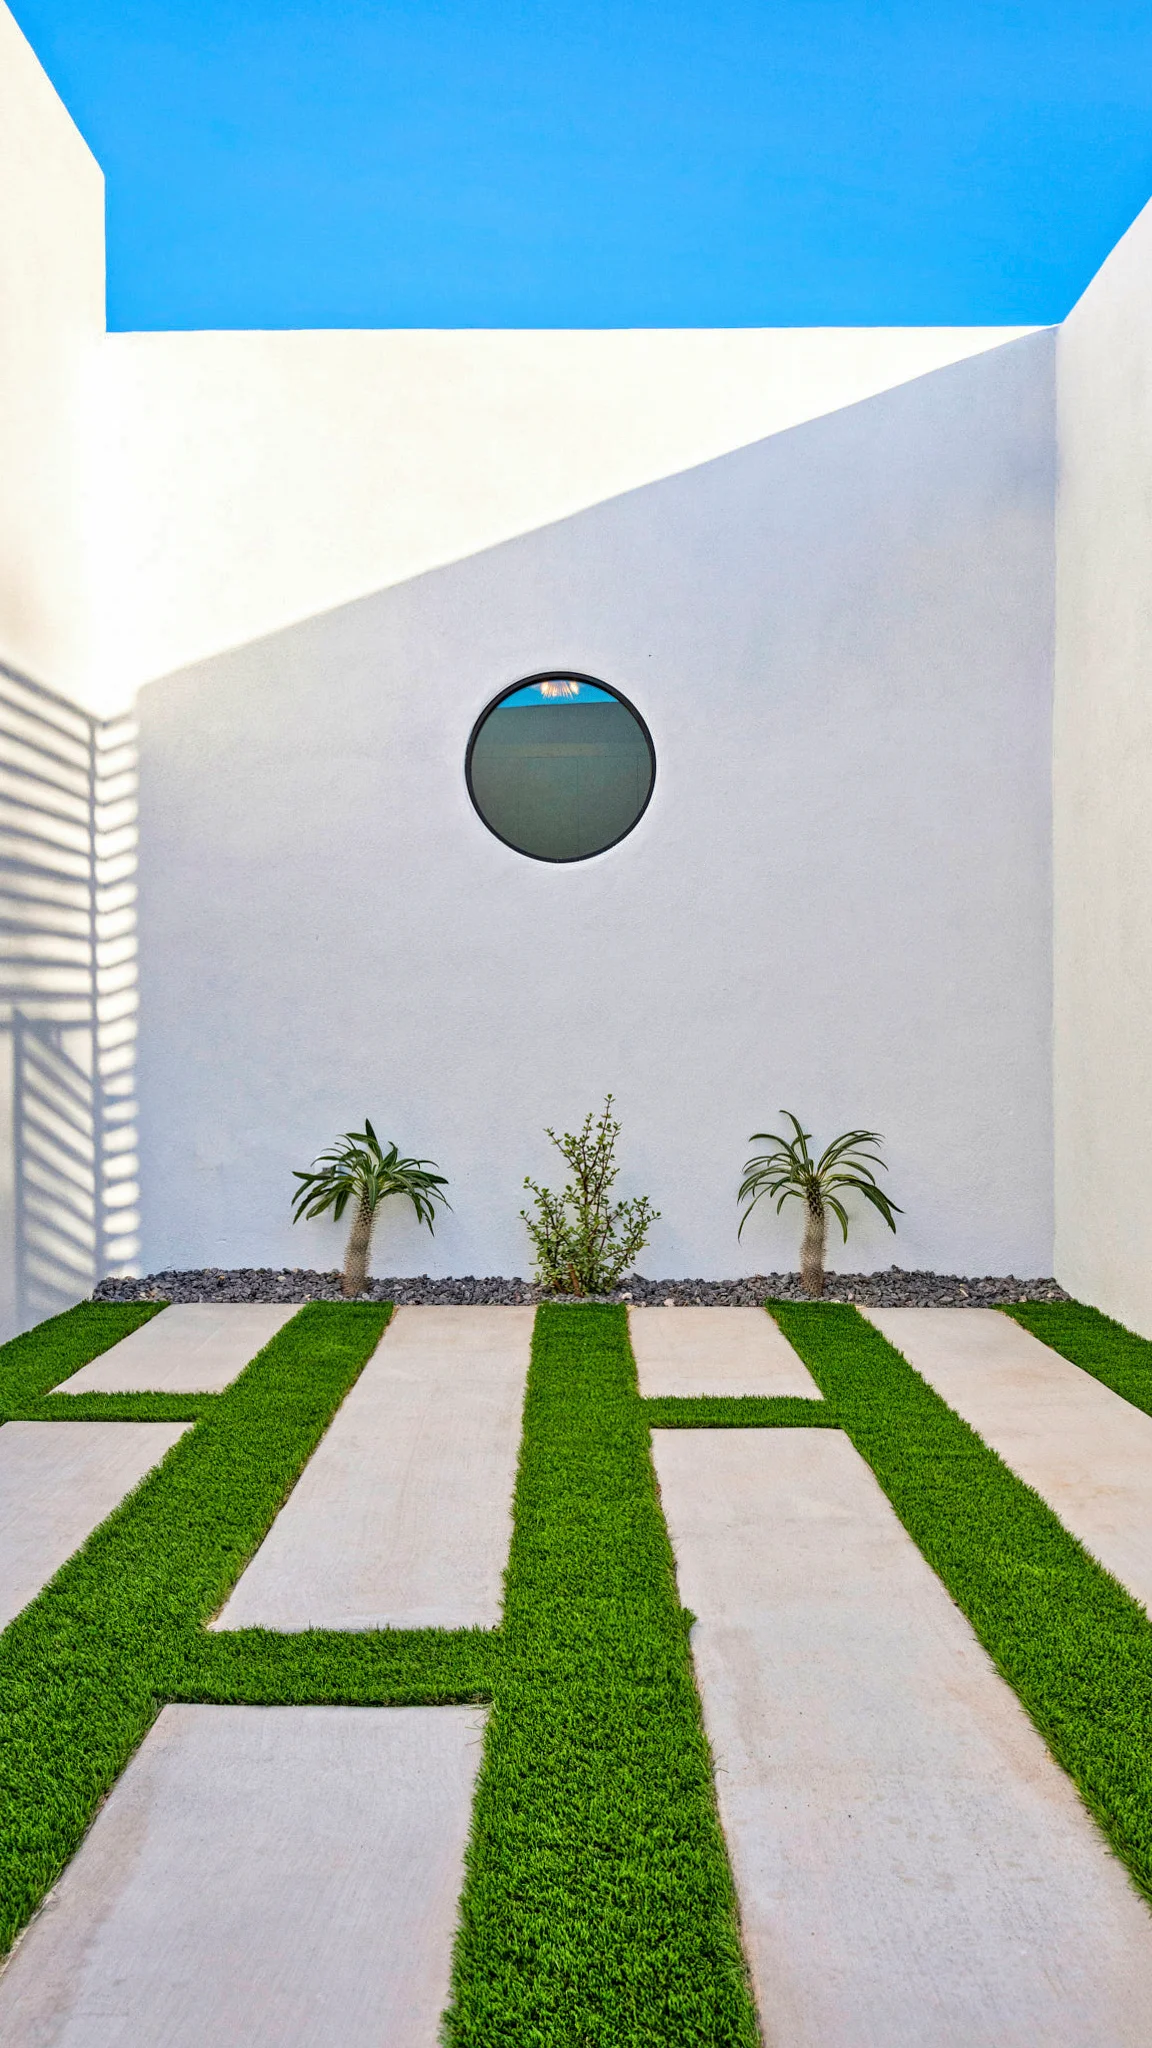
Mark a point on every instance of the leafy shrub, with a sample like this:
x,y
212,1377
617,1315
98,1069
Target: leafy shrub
x,y
583,1245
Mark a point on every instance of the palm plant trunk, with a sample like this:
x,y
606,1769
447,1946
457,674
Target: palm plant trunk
x,y
812,1250
356,1256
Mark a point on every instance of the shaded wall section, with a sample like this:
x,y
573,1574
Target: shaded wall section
x,y
838,899
1103,789
68,1187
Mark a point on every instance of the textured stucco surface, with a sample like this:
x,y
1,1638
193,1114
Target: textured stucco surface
x,y
250,480
51,332
838,899
164,497
1102,777
801,550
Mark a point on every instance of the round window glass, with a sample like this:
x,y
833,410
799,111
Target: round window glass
x,y
560,767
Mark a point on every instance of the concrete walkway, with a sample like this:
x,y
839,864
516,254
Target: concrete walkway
x,y
191,1348
58,1481
404,1515
260,1877
715,1351
1087,1451
914,1870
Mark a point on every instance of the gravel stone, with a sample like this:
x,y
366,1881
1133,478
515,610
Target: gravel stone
x,y
891,1289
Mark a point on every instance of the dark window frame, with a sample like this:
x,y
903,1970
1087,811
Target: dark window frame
x,y
559,675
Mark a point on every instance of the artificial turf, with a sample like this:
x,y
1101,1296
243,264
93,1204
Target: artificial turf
x,y
41,1358
115,1408
119,1630
597,1906
740,1411
1094,1342
1075,1646
333,1667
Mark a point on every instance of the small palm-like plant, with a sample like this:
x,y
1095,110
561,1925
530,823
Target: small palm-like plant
x,y
789,1170
357,1169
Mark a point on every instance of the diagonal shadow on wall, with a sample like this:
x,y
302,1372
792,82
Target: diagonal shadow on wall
x,y
68,1000
841,638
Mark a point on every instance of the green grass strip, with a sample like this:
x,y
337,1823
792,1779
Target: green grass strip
x,y
1094,1342
320,1667
30,1365
1074,1645
85,1667
598,1907
115,1408
738,1411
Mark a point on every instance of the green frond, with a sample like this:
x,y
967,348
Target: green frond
x,y
850,1142
789,1169
853,1169
882,1202
357,1168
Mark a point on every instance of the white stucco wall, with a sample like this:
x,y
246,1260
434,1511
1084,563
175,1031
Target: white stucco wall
x,y
51,326
1103,790
838,900
164,497
247,481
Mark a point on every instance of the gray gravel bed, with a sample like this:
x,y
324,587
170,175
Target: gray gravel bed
x,y
891,1289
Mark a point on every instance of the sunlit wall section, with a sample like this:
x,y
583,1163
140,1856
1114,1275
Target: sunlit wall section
x,y
51,344
67,1001
1101,778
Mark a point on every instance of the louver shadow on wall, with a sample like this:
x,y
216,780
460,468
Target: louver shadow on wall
x,y
68,1000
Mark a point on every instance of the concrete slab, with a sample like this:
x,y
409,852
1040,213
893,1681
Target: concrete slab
x,y
715,1351
404,1515
914,1870
190,1348
1087,1451
260,1877
58,1481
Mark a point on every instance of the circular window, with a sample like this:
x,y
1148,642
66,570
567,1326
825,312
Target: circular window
x,y
560,766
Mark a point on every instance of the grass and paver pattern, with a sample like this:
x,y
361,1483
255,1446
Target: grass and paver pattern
x,y
598,1907
119,1630
32,1364
1074,1645
1091,1340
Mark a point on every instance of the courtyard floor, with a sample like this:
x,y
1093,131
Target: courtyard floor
x,y
576,1676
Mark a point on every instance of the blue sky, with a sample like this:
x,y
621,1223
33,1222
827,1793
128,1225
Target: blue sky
x,y
618,163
